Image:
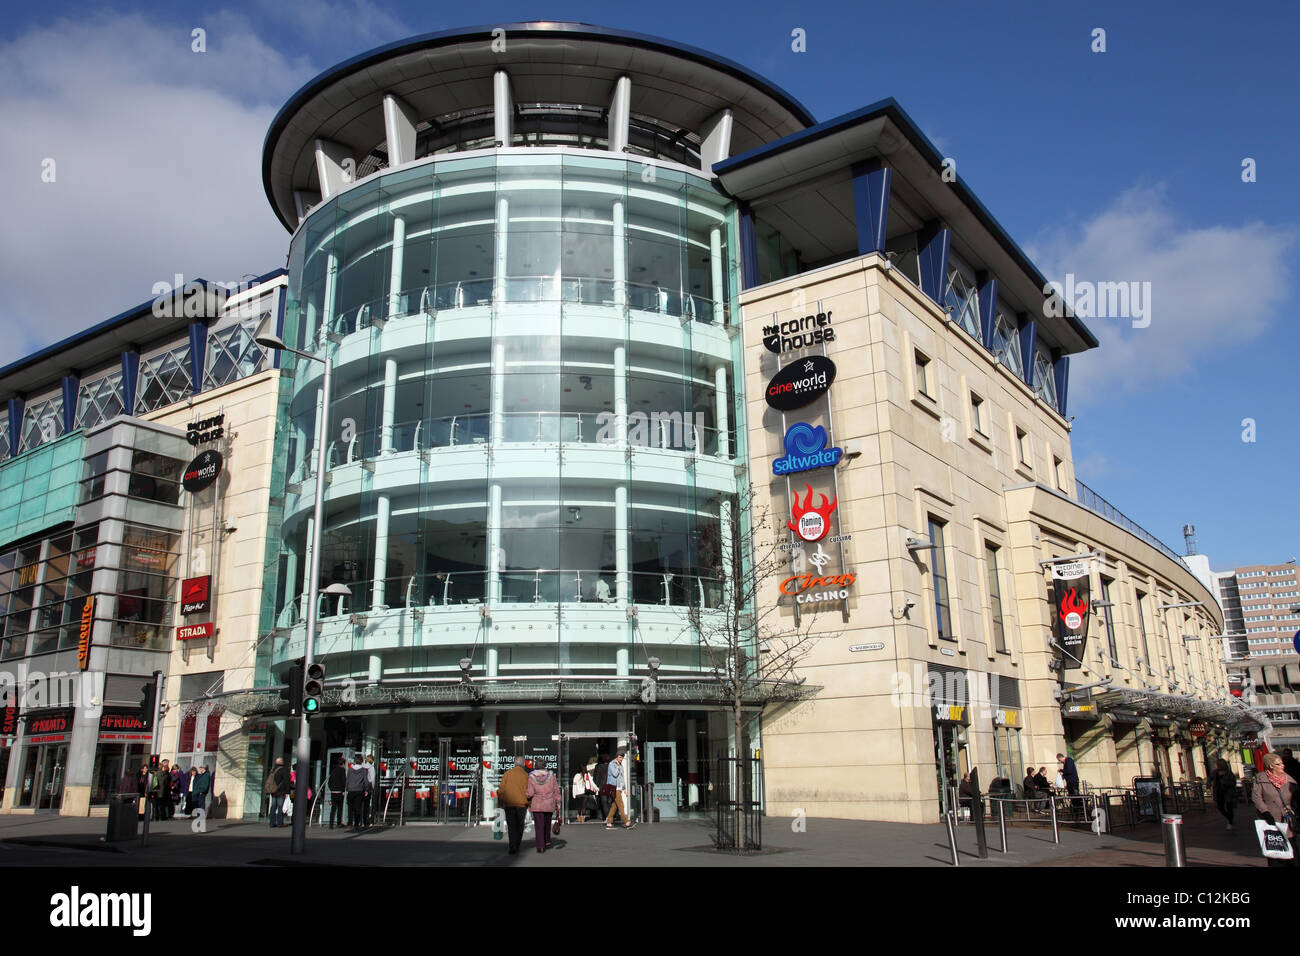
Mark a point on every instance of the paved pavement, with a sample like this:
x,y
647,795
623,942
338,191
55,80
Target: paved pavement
x,y
61,841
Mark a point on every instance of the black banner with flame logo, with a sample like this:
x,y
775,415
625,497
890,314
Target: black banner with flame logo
x,y
1071,602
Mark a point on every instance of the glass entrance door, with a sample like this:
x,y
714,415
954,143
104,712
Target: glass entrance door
x,y
43,777
661,774
949,762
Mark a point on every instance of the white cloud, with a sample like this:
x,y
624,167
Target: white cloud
x,y
1212,288
158,163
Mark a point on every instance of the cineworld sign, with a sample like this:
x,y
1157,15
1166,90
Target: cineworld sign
x,y
800,382
805,449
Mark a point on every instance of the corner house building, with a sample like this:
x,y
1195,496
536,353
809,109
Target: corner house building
x,y
592,301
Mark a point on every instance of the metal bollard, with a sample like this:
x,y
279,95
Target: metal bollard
x,y
1002,824
951,819
1171,825
1056,834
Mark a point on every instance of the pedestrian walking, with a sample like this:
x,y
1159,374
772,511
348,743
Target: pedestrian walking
x,y
357,782
142,789
338,786
543,793
583,791
1225,790
512,792
600,776
372,791
1273,794
187,784
615,784
277,787
161,788
199,790
1071,775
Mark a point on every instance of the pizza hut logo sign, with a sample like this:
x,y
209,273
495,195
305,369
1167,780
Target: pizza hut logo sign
x,y
202,471
196,594
808,522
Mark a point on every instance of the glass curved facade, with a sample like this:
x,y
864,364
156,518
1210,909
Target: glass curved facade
x,y
534,420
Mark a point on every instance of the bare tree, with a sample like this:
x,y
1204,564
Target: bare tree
x,y
754,640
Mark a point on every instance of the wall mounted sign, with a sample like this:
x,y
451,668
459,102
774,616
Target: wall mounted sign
x,y
1198,728
798,333
805,449
188,632
1080,711
49,722
800,587
9,721
875,646
196,594
206,429
1006,718
202,471
800,382
84,633
1070,610
808,522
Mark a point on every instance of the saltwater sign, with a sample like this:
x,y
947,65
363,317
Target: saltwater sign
x,y
798,333
800,382
202,471
805,449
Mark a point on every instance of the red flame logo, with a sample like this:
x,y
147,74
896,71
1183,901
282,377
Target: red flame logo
x,y
818,518
1070,604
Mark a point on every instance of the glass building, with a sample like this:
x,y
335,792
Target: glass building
x,y
515,255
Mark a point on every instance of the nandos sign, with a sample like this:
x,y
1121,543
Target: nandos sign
x,y
800,382
798,333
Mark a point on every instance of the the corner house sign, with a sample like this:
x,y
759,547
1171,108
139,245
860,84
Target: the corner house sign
x,y
1070,606
206,429
800,382
799,333
808,522
805,449
202,471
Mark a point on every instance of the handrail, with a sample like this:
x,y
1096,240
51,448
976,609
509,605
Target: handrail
x,y
1100,506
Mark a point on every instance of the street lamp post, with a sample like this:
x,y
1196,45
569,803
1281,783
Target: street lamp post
x,y
302,810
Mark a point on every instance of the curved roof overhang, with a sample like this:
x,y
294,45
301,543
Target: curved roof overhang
x,y
439,73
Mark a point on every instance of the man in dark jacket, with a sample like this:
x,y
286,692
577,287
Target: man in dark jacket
x,y
277,785
1290,764
338,784
357,782
1071,774
600,776
512,793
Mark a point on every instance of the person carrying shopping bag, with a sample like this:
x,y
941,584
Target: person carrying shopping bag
x,y
615,784
543,795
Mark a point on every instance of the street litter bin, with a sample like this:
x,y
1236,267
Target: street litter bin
x,y
122,812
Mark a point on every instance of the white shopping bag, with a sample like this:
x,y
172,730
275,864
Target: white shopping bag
x,y
1272,841
528,820
288,807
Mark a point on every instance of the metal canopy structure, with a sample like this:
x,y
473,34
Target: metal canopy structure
x,y
265,702
1236,718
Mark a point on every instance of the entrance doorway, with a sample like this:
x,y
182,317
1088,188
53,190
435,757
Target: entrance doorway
x,y
661,775
42,784
950,761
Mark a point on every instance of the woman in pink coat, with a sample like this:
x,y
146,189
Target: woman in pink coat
x,y
543,800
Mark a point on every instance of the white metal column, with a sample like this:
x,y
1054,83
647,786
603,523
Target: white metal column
x,y
620,254
495,558
721,412
383,509
395,266
498,386
328,303
621,590
390,407
718,293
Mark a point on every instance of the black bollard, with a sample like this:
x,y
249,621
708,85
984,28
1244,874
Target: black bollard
x,y
977,814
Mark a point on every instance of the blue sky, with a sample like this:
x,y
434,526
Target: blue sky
x,y
1122,165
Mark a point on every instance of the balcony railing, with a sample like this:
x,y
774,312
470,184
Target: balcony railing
x,y
1099,505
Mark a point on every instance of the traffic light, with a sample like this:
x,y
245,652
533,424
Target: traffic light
x,y
292,694
149,693
314,688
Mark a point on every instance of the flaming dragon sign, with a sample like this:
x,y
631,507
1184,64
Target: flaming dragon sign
x,y
1070,600
808,522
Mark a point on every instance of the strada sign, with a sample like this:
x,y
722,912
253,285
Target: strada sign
x,y
800,382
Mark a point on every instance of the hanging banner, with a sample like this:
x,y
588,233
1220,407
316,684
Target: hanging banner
x,y
1070,601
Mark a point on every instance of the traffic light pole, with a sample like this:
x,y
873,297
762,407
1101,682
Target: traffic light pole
x,y
301,805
